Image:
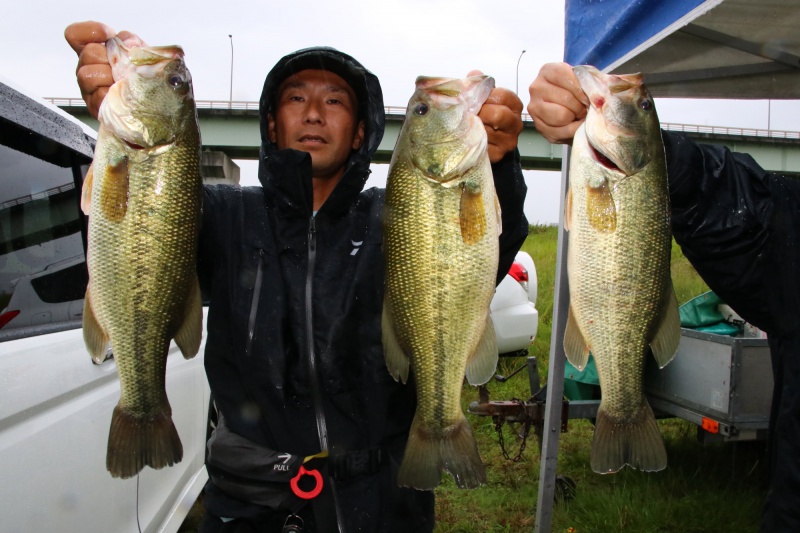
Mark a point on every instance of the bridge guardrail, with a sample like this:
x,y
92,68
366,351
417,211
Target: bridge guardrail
x,y
401,111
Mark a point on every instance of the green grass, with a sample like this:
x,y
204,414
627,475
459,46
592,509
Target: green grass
x,y
705,488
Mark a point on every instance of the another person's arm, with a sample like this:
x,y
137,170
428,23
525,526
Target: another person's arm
x,y
721,203
558,105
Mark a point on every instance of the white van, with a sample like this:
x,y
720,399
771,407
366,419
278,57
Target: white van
x,y
49,296
55,404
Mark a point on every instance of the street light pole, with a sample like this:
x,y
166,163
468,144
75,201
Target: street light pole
x,y
769,113
230,97
518,60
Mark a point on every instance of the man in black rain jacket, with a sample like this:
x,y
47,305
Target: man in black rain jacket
x,y
293,273
739,226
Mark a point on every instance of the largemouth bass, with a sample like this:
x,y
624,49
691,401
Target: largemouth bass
x,y
143,195
441,227
618,260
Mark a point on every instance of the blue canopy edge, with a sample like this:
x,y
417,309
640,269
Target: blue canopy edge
x,y
600,32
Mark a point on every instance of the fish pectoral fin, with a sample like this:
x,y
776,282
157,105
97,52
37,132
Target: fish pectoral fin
x,y
483,362
668,333
575,346
190,332
94,337
600,208
114,191
396,359
86,191
473,214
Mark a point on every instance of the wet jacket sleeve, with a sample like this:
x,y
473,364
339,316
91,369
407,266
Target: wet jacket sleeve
x,y
511,189
721,212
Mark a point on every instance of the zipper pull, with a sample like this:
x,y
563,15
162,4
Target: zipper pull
x,y
312,232
251,323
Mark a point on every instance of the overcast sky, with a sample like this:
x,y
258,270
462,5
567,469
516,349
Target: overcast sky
x,y
396,39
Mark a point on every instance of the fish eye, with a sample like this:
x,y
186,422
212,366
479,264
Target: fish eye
x,y
646,104
176,80
421,109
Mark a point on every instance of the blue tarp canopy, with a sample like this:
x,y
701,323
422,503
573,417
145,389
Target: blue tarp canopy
x,y
691,48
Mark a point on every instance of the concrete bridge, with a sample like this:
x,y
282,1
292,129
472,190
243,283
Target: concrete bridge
x,y
232,128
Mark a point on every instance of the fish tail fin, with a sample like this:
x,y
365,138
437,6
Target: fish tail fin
x,y
135,442
428,452
635,441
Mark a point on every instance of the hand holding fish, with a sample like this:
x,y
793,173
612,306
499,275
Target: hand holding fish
x,y
502,116
558,105
94,72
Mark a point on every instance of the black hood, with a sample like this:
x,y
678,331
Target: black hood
x,y
363,82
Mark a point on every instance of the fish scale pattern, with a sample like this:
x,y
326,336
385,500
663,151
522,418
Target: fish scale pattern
x,y
440,276
144,221
618,260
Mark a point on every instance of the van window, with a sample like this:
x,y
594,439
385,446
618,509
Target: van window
x,y
41,229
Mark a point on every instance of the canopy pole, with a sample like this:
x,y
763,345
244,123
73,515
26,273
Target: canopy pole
x,y
555,372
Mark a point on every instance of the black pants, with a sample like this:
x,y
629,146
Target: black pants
x,y
781,511
213,524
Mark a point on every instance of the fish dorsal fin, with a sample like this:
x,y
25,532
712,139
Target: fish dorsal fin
x,y
86,191
575,346
668,332
483,361
114,191
472,213
397,361
600,208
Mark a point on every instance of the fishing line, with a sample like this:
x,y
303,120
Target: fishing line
x,y
138,525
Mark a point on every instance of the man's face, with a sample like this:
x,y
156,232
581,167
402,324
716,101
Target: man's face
x,y
316,113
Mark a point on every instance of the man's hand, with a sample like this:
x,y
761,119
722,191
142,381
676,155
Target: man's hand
x,y
501,114
558,104
94,72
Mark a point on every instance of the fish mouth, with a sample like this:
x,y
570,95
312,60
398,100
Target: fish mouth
x,y
134,146
603,159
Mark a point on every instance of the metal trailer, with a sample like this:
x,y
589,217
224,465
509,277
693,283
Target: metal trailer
x,y
722,384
